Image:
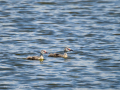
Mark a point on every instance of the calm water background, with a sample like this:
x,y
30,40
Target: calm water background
x,y
90,27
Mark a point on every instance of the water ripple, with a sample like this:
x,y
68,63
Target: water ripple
x,y
91,28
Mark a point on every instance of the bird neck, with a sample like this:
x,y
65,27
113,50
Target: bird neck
x,y
41,56
65,54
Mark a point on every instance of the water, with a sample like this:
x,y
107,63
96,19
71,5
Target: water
x,y
90,27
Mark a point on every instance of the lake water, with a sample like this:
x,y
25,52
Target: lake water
x,y
90,27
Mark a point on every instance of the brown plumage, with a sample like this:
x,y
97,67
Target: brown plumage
x,y
55,55
61,55
37,57
34,58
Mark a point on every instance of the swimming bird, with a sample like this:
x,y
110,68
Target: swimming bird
x,y
61,55
38,57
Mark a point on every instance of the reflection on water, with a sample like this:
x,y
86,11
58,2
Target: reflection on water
x,y
91,28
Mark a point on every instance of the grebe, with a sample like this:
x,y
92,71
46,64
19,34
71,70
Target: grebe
x,y
38,57
61,55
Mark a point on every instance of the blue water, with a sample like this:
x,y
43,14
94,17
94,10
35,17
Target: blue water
x,y
90,27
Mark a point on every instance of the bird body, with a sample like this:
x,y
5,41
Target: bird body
x,y
61,55
37,57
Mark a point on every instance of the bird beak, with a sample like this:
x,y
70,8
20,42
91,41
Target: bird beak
x,y
71,50
45,52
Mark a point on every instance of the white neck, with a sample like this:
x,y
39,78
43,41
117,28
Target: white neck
x,y
41,57
65,55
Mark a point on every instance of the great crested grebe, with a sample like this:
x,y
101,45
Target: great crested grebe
x,y
61,55
38,57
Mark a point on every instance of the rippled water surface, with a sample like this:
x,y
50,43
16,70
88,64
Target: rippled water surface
x,y
90,27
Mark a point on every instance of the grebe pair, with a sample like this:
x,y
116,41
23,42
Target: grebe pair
x,y
50,55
